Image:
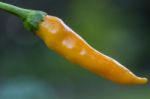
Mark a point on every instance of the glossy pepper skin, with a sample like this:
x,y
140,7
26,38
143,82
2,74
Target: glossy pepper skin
x,y
63,40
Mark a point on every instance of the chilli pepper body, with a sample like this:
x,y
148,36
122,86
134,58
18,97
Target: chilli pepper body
x,y
63,40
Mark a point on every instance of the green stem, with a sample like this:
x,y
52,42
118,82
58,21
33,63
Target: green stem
x,y
31,18
20,12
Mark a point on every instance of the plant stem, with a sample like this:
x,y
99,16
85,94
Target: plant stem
x,y
20,12
30,18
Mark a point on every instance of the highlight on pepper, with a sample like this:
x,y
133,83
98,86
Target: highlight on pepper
x,y
64,41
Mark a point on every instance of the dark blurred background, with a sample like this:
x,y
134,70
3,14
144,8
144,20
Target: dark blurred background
x,y
118,28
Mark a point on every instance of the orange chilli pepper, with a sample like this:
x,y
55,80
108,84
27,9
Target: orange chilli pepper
x,y
63,40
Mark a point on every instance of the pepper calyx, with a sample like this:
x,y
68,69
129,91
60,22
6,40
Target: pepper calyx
x,y
33,19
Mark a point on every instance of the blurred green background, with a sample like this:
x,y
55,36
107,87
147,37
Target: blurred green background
x,y
118,28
